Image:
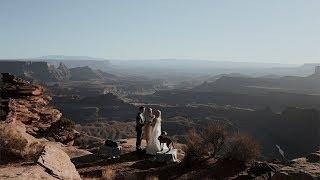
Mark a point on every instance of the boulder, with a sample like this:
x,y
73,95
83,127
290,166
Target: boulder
x,y
57,163
167,156
74,152
300,169
262,169
314,157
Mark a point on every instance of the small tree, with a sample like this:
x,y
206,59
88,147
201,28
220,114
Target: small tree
x,y
214,136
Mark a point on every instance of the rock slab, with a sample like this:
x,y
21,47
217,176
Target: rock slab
x,y
57,163
24,173
299,169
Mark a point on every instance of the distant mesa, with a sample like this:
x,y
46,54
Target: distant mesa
x,y
316,72
83,73
76,61
63,57
34,70
41,71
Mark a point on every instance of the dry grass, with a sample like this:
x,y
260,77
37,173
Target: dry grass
x,y
109,173
34,151
12,143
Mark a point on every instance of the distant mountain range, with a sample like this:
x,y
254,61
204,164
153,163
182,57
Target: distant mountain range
x,y
253,85
179,70
75,61
63,57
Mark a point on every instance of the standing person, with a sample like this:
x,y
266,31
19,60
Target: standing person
x,y
153,145
147,127
140,120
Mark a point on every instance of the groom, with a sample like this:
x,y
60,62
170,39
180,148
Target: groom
x,y
140,121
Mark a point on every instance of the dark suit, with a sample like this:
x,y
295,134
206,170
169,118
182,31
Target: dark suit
x,y
139,126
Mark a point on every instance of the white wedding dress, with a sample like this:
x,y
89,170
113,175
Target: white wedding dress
x,y
153,145
147,127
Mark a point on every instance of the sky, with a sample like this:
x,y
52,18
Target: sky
x,y
277,31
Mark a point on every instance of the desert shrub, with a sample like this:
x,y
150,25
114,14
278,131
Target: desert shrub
x,y
12,140
194,146
62,125
60,131
34,151
109,174
14,145
210,142
108,130
214,136
242,148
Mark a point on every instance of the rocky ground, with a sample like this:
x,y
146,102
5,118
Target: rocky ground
x,y
131,165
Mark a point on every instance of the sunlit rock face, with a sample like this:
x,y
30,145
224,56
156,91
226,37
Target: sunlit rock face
x,y
25,103
26,121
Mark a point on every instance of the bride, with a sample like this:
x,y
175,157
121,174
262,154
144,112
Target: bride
x,y
153,145
148,128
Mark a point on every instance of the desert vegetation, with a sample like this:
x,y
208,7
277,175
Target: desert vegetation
x,y
61,131
242,147
217,141
93,134
15,145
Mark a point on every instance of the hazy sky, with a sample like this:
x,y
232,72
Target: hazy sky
x,y
284,31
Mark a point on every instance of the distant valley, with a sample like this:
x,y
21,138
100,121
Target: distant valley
x,y
102,98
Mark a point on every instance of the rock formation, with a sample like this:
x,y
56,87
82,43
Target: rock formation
x,y
58,163
27,125
83,74
317,70
61,73
300,168
26,103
